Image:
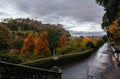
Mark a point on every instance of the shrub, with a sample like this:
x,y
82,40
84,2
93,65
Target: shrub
x,y
64,50
12,58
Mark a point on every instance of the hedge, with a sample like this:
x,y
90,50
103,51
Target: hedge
x,y
48,63
11,58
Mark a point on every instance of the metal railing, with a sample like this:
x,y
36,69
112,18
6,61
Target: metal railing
x,y
15,71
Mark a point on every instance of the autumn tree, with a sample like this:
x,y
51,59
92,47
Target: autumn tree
x,y
5,38
111,18
114,30
25,26
41,46
85,40
28,46
54,33
62,41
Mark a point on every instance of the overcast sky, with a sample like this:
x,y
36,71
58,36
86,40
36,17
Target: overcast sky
x,y
75,15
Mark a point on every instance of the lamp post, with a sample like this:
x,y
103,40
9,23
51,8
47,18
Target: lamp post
x,y
55,59
55,67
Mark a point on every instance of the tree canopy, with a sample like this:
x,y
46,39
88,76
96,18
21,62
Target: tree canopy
x,y
111,18
5,38
42,46
28,46
111,8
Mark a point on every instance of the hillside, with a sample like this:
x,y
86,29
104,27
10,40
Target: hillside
x,y
20,28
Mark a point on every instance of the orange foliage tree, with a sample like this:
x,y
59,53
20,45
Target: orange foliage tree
x,y
84,41
28,46
95,40
41,46
62,41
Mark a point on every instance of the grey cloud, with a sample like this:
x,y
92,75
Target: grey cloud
x,y
4,14
82,33
86,10
66,12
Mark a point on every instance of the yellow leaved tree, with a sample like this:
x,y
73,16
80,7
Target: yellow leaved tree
x,y
114,30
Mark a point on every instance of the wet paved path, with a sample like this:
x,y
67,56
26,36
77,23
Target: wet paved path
x,y
92,68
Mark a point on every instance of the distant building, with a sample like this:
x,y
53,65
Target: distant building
x,y
19,20
60,25
5,21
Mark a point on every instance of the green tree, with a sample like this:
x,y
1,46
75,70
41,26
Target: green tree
x,y
111,8
17,43
54,33
111,18
105,38
5,38
89,44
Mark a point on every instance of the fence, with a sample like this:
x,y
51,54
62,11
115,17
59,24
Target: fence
x,y
13,71
116,54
